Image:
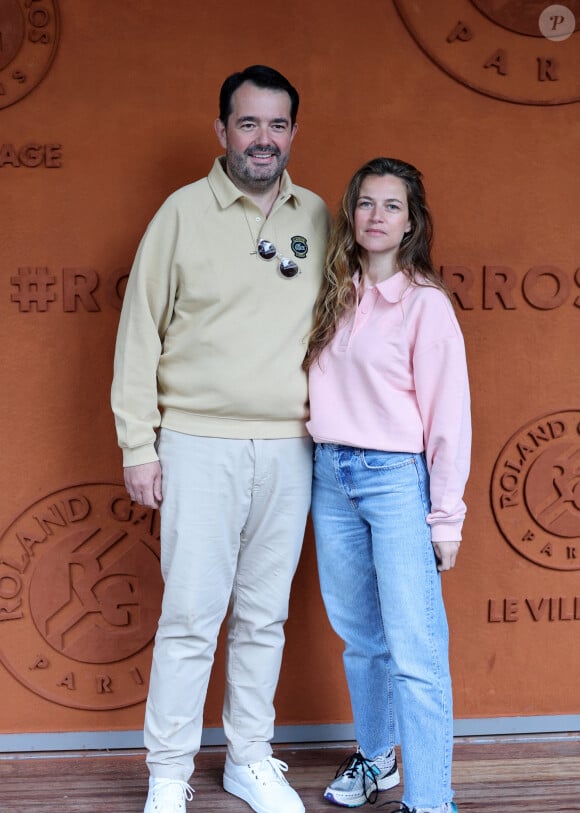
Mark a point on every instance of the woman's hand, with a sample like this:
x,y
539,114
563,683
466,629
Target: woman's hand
x,y
446,554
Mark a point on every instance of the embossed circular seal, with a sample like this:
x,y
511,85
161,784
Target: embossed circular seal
x,y
29,33
535,491
498,48
80,594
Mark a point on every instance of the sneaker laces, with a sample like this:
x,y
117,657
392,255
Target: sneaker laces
x,y
358,764
270,769
175,791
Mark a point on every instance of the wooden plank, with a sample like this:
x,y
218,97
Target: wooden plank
x,y
489,777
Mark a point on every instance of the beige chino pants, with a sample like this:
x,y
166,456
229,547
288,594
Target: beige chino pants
x,y
232,525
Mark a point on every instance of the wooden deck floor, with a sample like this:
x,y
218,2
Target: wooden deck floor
x,y
490,776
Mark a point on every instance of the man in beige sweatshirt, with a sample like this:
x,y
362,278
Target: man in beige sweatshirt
x,y
210,404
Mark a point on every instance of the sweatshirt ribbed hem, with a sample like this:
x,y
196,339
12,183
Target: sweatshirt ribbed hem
x,y
211,426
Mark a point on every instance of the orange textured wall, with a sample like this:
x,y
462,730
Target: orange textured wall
x,y
119,101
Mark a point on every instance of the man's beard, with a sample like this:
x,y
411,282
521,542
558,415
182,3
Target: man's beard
x,y
254,178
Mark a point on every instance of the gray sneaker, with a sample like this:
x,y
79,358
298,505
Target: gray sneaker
x,y
359,780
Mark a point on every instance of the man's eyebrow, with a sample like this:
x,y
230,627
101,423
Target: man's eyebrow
x,y
277,120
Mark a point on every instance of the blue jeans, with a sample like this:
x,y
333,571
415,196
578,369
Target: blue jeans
x,y
382,593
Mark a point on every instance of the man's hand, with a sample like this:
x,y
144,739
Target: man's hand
x,y
446,553
143,483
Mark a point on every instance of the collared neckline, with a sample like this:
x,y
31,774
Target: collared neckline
x,y
392,289
227,193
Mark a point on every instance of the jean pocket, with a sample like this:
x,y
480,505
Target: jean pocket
x,y
374,460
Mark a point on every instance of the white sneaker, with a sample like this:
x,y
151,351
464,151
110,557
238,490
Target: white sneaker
x,y
167,796
262,785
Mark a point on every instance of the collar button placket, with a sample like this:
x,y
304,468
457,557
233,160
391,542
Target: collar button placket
x,y
254,221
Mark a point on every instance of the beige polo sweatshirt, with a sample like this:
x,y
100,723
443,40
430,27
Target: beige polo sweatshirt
x,y
211,336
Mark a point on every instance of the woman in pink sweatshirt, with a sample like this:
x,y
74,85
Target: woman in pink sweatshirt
x,y
390,416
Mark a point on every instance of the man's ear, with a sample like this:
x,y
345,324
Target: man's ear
x,y
220,131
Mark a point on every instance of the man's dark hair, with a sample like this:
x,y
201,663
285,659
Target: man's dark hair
x,y
263,77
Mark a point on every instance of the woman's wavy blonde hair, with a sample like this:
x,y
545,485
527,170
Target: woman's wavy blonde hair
x,y
337,294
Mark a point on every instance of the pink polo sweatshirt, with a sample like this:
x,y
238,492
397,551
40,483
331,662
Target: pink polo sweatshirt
x,y
394,378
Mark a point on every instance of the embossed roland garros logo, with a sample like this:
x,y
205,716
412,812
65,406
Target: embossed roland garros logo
x,y
80,593
535,491
498,48
29,32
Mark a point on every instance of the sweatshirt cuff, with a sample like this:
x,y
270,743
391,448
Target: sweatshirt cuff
x,y
136,457
446,531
